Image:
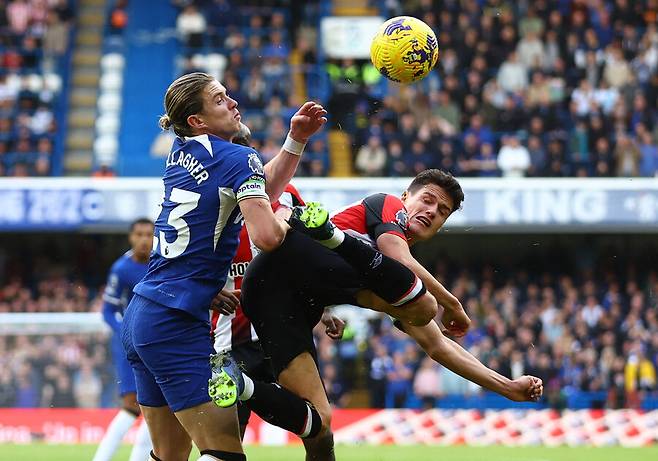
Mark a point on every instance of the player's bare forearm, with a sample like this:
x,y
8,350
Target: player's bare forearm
x,y
278,172
454,357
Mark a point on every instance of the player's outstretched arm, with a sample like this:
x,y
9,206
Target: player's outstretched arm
x,y
454,316
265,230
454,357
304,124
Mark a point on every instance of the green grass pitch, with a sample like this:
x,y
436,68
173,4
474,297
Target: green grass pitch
x,y
44,452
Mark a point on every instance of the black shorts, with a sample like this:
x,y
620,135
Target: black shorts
x,y
284,293
252,360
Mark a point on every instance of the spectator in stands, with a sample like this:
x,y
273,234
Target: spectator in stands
x,y
315,161
334,386
8,388
649,152
513,158
399,380
627,156
56,36
42,121
485,163
87,386
617,72
380,366
27,392
119,17
446,109
427,385
530,50
19,13
513,74
371,158
191,27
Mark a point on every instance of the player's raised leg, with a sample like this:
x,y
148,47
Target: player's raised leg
x,y
388,278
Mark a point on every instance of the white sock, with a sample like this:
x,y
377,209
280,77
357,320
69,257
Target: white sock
x,y
117,429
143,446
335,239
248,388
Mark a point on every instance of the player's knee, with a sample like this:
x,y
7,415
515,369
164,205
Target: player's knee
x,y
423,310
129,403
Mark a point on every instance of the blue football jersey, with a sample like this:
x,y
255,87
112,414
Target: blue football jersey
x,y
124,275
196,233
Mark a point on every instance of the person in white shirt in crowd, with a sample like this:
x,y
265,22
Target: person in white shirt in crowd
x,y
513,158
513,74
583,98
531,51
191,25
591,312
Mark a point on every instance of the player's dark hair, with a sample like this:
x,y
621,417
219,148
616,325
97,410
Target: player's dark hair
x,y
139,221
184,97
444,180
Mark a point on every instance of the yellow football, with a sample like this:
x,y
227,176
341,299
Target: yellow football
x,y
404,50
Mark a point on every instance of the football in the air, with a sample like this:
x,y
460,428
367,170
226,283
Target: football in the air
x,y
404,50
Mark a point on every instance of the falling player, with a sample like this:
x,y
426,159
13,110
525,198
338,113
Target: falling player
x,y
208,182
124,275
284,305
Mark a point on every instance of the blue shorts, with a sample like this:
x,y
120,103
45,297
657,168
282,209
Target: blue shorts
x,y
124,372
169,352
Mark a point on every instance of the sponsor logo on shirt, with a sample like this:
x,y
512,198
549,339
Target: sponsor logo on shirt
x,y
238,269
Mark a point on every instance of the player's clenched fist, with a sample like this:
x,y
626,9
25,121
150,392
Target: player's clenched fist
x,y
525,389
307,121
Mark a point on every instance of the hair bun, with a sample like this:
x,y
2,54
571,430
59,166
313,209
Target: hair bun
x,y
165,122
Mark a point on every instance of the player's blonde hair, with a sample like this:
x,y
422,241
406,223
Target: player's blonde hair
x,y
184,97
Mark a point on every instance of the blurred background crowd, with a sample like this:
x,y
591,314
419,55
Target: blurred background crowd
x,y
34,35
588,326
527,88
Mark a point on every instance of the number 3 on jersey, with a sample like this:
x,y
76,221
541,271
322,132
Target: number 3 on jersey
x,y
187,201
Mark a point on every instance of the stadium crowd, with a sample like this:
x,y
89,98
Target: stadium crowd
x,y
577,330
34,35
528,88
254,48
540,88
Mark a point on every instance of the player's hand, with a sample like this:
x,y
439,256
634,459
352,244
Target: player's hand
x,y
307,121
226,301
455,320
335,327
526,389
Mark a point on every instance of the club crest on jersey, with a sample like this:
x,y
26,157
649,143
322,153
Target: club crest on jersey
x,y
402,218
255,164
